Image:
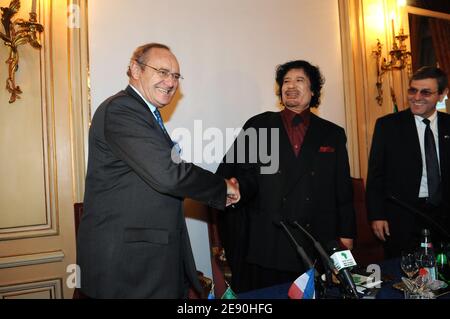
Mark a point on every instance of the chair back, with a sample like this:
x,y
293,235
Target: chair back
x,y
367,249
220,269
78,212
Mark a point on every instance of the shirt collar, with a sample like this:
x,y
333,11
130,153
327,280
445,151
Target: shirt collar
x,y
289,115
432,117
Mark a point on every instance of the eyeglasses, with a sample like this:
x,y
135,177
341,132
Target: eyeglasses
x,y
423,93
163,73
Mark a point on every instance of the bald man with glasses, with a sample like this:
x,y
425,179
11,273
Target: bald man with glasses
x,y
132,240
410,161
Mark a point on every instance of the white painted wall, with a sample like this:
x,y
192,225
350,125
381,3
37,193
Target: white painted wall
x,y
228,51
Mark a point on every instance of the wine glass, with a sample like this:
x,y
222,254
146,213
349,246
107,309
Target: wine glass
x,y
409,264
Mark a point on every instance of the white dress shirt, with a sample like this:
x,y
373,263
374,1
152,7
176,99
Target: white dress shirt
x,y
423,191
153,109
150,106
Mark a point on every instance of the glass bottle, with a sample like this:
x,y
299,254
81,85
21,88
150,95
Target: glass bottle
x,y
426,258
442,266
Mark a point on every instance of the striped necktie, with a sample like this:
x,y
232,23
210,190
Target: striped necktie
x,y
161,124
160,121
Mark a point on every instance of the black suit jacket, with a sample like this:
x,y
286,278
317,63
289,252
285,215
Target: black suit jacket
x,y
315,189
132,240
395,169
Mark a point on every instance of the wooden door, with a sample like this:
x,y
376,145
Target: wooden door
x,y
42,138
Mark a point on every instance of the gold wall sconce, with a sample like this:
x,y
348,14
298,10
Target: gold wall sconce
x,y
399,58
18,32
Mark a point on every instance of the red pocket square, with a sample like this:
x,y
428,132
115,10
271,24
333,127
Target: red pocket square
x,y
326,149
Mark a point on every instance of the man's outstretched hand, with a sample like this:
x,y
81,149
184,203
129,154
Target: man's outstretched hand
x,y
233,194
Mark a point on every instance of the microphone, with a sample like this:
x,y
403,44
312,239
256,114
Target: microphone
x,y
343,275
431,222
342,260
325,258
306,260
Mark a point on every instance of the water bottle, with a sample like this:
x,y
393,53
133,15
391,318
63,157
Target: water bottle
x,y
442,266
426,258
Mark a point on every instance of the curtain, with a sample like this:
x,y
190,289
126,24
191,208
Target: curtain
x,y
433,5
414,28
440,32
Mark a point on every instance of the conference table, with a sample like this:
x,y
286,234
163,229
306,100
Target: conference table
x,y
391,274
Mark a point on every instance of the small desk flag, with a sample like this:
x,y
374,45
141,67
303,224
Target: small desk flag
x,y
303,286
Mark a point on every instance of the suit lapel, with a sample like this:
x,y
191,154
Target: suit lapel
x,y
309,150
288,160
444,143
410,138
129,90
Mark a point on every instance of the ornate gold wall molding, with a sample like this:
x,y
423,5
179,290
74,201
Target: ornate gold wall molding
x,y
80,98
18,32
46,157
40,220
31,259
51,289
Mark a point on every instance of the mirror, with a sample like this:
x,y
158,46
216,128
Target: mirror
x,y
430,42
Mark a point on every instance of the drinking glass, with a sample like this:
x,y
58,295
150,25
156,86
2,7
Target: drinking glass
x,y
409,264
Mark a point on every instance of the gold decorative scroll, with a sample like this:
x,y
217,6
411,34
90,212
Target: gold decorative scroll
x,y
17,32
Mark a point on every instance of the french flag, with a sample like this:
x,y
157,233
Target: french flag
x,y
303,286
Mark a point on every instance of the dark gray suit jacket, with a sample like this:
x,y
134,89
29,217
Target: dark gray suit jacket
x,y
132,240
395,169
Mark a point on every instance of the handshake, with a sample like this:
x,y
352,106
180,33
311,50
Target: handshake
x,y
233,194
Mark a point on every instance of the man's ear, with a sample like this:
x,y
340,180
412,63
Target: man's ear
x,y
443,95
135,70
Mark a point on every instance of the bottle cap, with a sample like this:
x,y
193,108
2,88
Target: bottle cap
x,y
425,232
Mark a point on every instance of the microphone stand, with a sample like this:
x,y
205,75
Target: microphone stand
x,y
319,283
329,265
425,217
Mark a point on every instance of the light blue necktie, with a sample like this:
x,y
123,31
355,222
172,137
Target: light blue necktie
x,y
161,124
160,121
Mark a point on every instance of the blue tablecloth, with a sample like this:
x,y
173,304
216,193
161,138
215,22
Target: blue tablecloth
x,y
274,292
391,273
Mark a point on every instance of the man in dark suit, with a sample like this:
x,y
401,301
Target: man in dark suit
x,y
307,180
410,160
132,240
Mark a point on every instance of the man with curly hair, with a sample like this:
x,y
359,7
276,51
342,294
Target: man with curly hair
x,y
312,185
